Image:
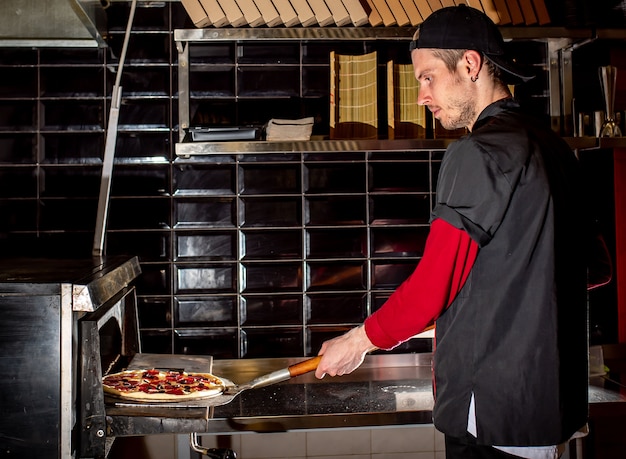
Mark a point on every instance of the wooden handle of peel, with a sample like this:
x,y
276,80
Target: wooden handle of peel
x,y
304,367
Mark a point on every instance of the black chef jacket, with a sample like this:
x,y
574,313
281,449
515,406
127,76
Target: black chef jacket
x,y
516,335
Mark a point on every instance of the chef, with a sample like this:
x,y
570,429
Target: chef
x,y
502,274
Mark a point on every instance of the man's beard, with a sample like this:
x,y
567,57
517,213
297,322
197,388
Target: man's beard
x,y
465,116
463,105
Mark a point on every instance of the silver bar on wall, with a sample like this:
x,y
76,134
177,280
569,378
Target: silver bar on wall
x,y
567,92
109,147
66,343
561,83
107,172
183,89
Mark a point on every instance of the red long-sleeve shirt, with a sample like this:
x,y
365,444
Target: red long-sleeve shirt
x,y
448,257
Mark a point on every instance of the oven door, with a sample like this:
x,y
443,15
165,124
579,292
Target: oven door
x,y
107,340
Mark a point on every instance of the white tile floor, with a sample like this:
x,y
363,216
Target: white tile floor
x,y
414,442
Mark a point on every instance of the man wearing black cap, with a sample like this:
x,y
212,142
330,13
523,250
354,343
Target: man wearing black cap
x,y
500,275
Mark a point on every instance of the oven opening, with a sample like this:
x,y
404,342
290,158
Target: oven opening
x,y
112,358
109,341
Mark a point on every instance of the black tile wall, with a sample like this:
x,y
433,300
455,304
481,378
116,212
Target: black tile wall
x,y
242,255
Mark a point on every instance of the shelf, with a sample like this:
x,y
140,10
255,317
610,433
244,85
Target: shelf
x,y
189,149
370,33
298,34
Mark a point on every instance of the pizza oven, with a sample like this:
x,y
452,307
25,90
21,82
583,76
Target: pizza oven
x,y
65,324
63,321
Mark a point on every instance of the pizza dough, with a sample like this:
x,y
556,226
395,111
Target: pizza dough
x,y
162,385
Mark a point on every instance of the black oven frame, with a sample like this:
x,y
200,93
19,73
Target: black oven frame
x,y
108,340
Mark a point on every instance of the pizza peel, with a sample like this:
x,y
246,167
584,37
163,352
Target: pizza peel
x,y
231,390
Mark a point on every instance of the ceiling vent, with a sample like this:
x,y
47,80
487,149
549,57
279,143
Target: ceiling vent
x,y
52,23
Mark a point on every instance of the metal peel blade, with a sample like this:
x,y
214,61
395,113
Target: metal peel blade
x,y
275,377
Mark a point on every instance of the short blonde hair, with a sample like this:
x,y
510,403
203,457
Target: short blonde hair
x,y
451,58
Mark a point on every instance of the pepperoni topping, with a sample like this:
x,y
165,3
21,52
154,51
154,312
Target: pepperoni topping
x,y
155,381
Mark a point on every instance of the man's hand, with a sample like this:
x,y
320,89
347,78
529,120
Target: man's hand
x,y
344,354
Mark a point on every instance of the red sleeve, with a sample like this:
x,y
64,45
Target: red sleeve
x,y
449,255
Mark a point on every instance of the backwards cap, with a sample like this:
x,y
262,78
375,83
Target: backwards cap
x,y
463,27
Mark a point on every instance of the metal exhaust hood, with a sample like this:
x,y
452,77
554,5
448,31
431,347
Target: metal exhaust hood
x,y
52,23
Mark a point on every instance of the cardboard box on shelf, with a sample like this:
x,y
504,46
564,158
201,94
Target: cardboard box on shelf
x,y
412,12
196,13
530,18
322,13
232,12
423,7
435,5
398,12
515,12
475,4
306,17
269,13
490,10
287,14
217,16
503,12
385,12
357,13
543,17
250,12
339,12
373,16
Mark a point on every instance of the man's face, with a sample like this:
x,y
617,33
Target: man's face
x,y
450,96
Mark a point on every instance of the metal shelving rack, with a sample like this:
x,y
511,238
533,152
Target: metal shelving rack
x,y
276,251
550,48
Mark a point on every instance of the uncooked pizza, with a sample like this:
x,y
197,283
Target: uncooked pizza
x,y
162,385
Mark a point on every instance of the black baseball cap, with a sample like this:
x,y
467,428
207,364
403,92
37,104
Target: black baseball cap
x,y
464,27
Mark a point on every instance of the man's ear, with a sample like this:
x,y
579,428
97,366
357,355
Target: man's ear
x,y
472,62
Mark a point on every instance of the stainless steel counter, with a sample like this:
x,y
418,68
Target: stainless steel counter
x,y
386,390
